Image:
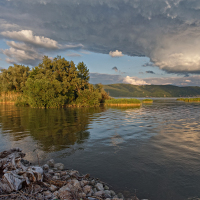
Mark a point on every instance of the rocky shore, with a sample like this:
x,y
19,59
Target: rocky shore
x,y
20,180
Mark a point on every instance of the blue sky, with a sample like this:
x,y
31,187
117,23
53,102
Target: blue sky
x,y
122,41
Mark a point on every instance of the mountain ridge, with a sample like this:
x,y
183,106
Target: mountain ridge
x,y
128,90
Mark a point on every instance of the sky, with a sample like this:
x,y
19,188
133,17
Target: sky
x,y
140,42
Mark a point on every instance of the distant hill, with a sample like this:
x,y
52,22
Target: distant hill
x,y
128,90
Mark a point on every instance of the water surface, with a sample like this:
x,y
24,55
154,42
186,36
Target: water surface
x,y
154,148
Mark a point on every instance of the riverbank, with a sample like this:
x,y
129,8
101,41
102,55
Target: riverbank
x,y
20,180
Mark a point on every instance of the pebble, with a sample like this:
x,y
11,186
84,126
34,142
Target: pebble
x,y
99,187
51,163
59,166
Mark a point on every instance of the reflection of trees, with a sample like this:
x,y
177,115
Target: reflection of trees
x,y
54,129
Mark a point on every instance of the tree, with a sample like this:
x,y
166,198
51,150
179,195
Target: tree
x,y
14,78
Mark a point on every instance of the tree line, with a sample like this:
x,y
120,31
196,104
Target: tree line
x,y
53,83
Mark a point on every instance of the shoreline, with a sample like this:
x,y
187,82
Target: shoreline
x,y
20,180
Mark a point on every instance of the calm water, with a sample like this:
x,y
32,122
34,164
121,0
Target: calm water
x,y
154,149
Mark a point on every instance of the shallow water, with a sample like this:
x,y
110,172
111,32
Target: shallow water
x,y
154,148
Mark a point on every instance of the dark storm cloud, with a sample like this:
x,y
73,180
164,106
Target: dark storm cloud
x,y
165,31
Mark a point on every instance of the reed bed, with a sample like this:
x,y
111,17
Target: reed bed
x,y
147,101
189,99
123,102
9,97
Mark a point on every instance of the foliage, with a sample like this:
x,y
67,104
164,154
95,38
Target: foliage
x,y
52,84
14,78
147,101
189,99
123,101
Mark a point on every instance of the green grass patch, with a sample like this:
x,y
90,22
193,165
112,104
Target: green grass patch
x,y
189,99
122,102
147,101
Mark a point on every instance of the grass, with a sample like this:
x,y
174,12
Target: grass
x,y
189,99
9,97
123,102
147,101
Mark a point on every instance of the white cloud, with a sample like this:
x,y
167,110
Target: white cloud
x,y
28,37
134,81
21,56
188,81
115,53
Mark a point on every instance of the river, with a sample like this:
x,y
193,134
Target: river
x,y
154,148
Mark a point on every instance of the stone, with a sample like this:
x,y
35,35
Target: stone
x,y
106,187
63,173
73,173
65,195
66,177
87,189
37,189
112,193
99,187
59,166
107,194
57,174
46,167
51,163
47,194
99,193
92,182
53,188
82,195
95,190
84,182
55,177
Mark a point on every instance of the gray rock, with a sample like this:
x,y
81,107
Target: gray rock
x,y
99,187
99,193
51,163
92,182
107,194
84,182
53,188
106,187
95,190
47,194
112,193
59,166
45,167
87,189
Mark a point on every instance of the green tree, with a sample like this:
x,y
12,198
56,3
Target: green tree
x,y
14,78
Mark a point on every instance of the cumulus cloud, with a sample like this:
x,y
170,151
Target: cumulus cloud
x,y
28,37
165,31
134,81
115,53
22,56
31,48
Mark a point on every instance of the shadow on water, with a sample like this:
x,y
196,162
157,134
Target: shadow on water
x,y
52,129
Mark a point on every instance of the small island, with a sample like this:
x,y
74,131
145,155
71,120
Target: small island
x,y
123,102
147,101
54,83
189,99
